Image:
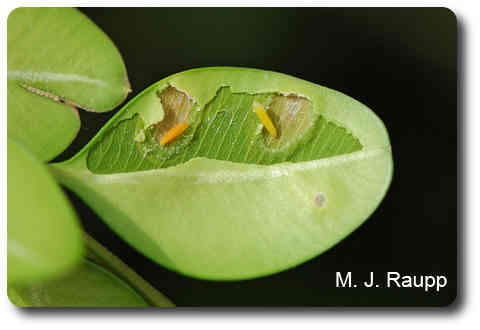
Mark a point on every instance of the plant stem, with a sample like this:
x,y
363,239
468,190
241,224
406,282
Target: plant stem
x,y
101,255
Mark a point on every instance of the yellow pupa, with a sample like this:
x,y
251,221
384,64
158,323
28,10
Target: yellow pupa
x,y
264,118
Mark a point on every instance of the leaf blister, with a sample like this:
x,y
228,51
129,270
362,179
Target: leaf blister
x,y
227,129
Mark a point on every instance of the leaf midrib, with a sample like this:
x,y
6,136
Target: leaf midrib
x,y
242,173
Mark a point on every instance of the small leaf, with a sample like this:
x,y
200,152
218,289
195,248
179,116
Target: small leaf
x,y
226,200
58,60
88,285
44,237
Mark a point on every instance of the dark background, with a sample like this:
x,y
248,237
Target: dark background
x,y
400,62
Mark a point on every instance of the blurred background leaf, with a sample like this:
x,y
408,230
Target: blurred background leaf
x,y
88,285
44,235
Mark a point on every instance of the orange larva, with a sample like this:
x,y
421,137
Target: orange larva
x,y
173,132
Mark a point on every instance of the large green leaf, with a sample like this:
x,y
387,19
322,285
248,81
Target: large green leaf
x,y
88,285
226,200
58,60
44,236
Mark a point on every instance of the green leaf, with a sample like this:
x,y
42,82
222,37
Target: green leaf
x,y
58,60
225,200
44,236
88,285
